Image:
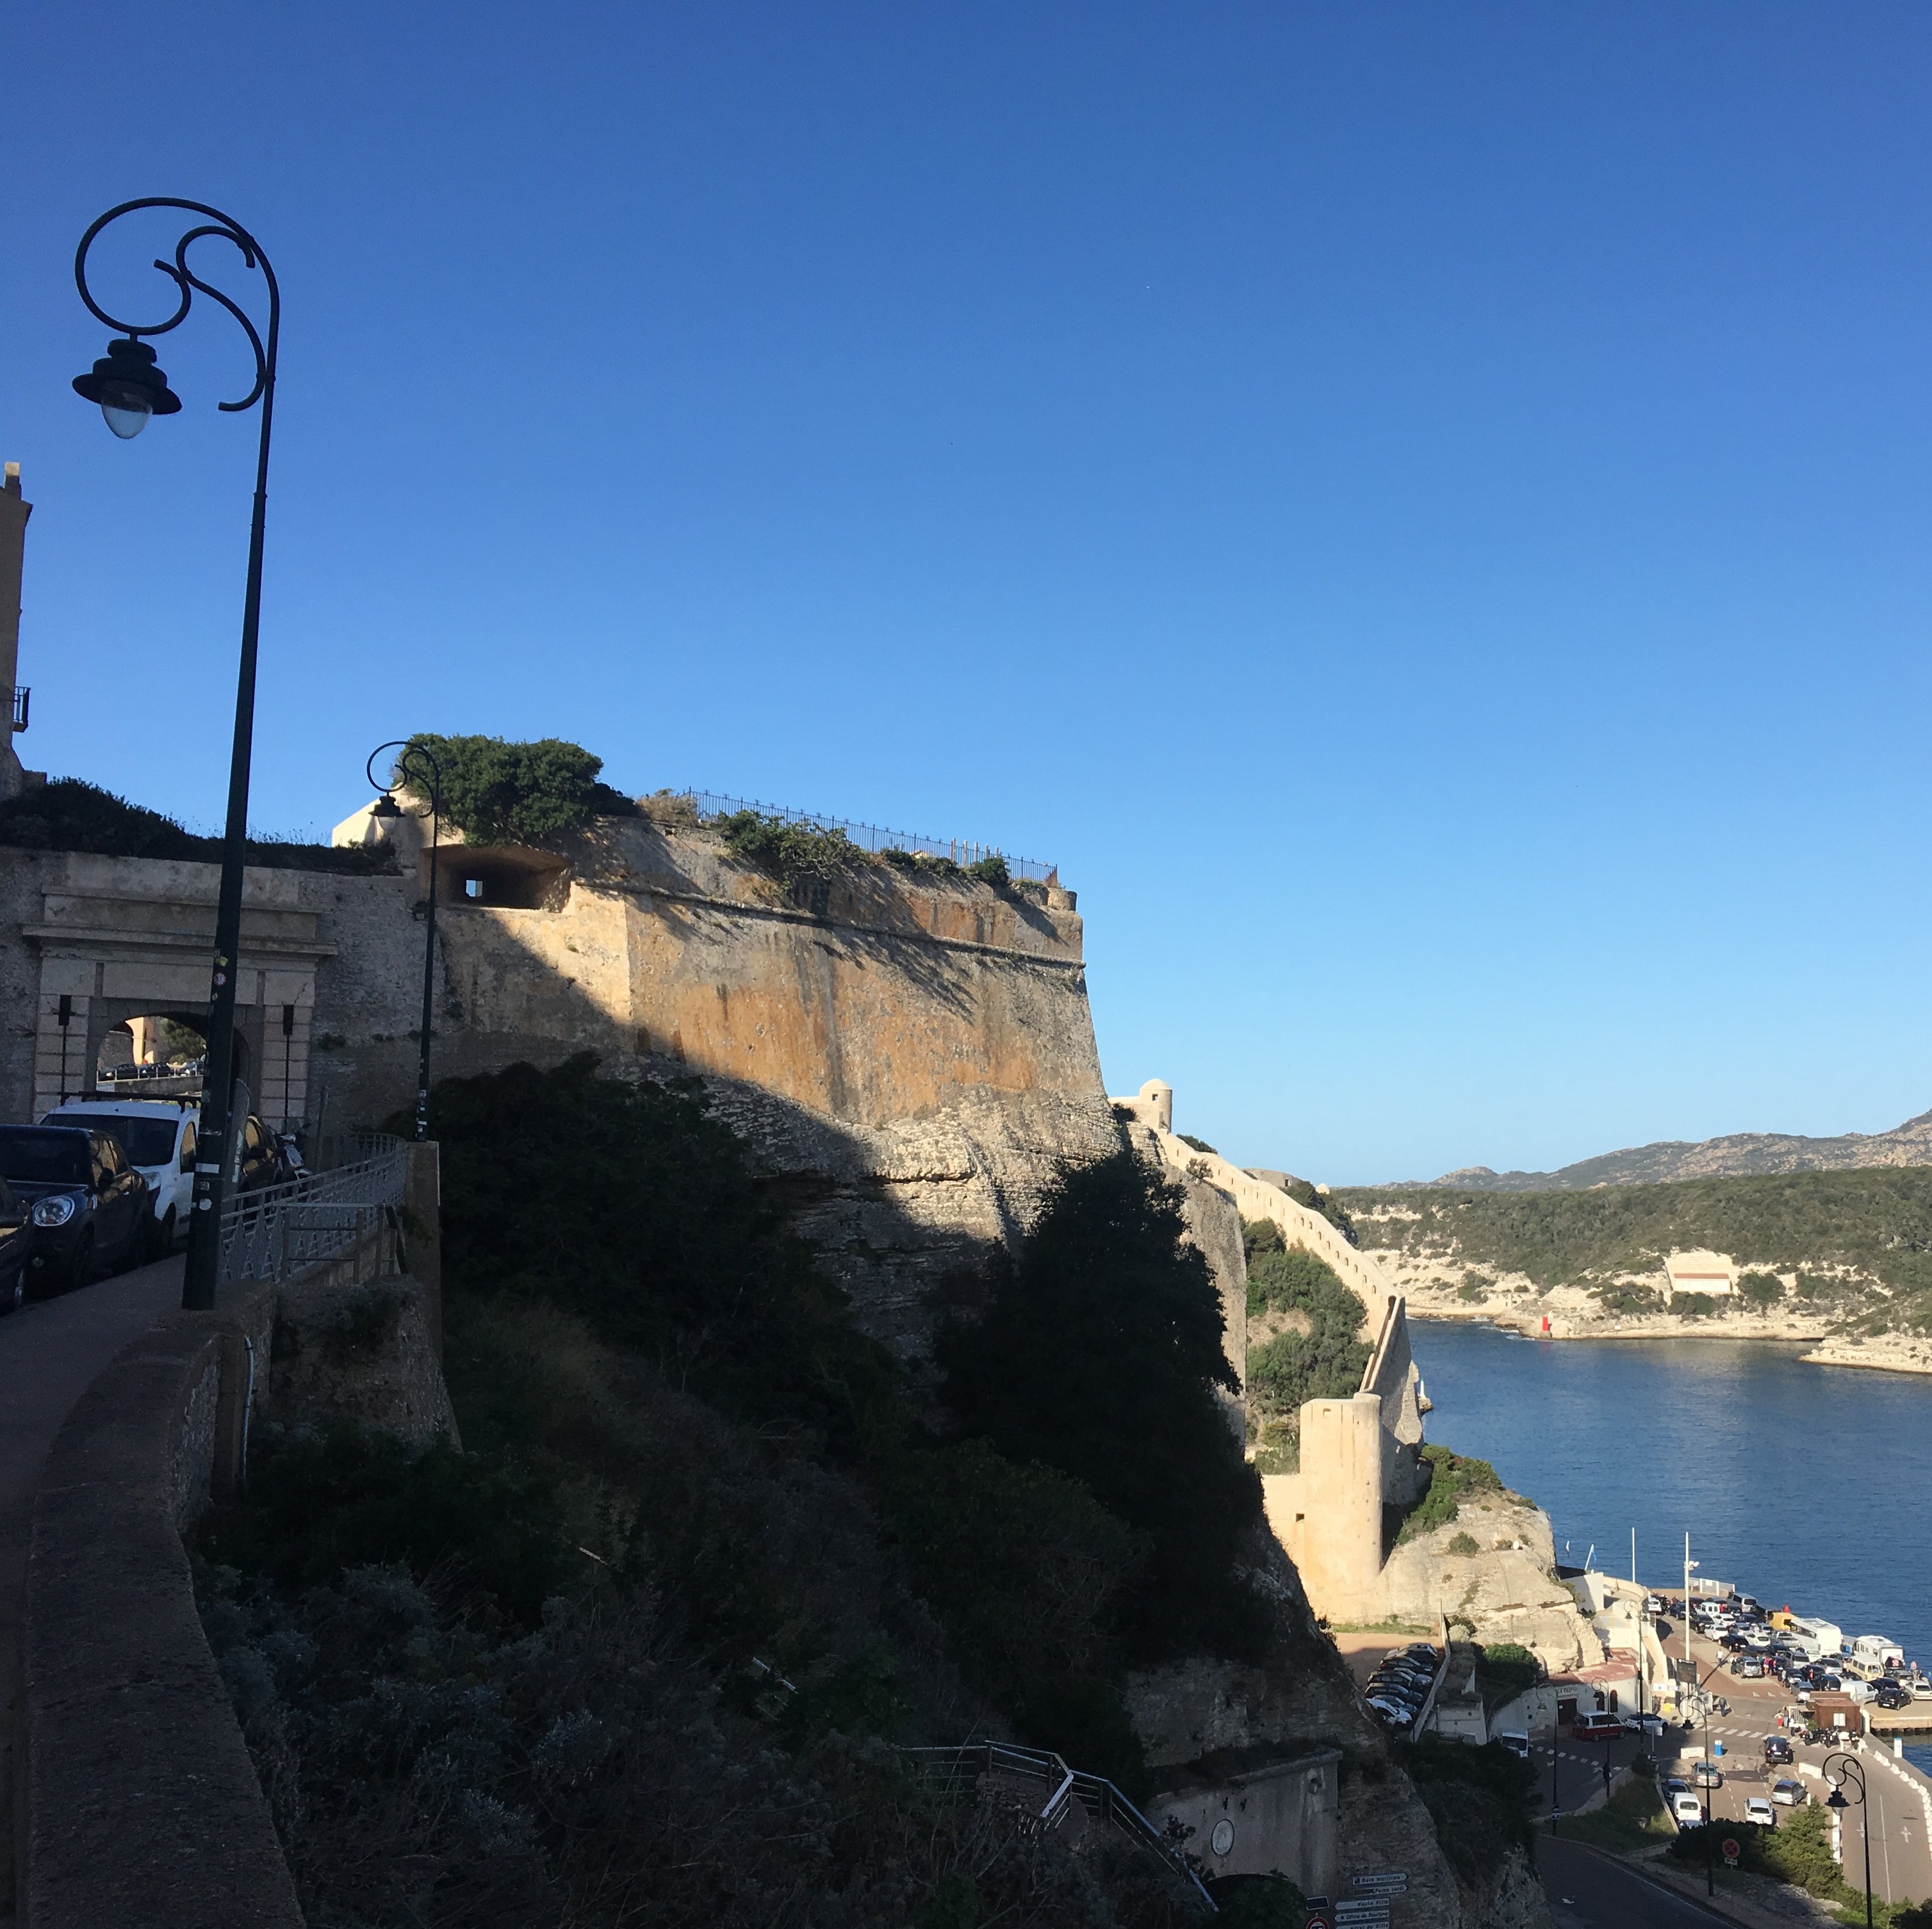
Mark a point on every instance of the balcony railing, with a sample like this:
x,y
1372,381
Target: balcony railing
x,y
22,701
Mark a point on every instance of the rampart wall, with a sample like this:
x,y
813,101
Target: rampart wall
x,y
912,1057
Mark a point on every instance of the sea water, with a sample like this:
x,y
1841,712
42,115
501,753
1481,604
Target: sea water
x,y
1810,1486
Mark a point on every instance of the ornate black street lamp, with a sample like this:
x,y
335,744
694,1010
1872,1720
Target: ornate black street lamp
x,y
1849,1770
131,388
413,756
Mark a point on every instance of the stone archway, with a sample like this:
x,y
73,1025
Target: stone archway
x,y
126,938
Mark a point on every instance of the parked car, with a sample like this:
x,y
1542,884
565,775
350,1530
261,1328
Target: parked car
x,y
1777,1748
1889,1694
1652,1605
1674,1785
1707,1775
1515,1741
265,1160
158,1137
1758,1809
88,1205
1736,1642
1686,1811
1788,1794
16,1241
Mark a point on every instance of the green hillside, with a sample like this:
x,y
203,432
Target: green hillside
x,y
1860,1239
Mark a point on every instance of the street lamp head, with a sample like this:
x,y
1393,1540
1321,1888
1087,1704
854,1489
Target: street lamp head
x,y
129,387
1836,1799
385,806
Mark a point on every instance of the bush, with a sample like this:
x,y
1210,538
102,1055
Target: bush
x,y
67,814
1262,1236
496,792
630,1205
1326,1362
787,850
1463,1543
1472,1294
1761,1289
1628,1295
1693,1305
1104,1335
1199,1145
1451,1477
1023,1568
1504,1670
990,870
1479,1799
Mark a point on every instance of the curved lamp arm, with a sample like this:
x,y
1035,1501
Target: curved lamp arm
x,y
187,284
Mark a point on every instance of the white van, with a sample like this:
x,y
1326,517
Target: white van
x,y
1516,1742
158,1135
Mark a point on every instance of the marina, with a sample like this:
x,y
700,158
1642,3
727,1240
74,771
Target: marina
x,y
1804,1484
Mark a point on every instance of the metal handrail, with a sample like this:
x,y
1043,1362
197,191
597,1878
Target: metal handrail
x,y
710,803
1097,1796
278,1229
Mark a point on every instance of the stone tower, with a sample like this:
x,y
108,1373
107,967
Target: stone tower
x,y
14,511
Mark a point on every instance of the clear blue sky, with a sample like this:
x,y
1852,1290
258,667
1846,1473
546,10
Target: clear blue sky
x,y
1422,509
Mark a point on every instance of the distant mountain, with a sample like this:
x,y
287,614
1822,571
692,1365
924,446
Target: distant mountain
x,y
1740,1154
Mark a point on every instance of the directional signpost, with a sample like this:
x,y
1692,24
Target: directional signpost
x,y
1368,1908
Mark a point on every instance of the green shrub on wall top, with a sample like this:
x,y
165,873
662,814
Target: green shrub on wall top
x,y
498,792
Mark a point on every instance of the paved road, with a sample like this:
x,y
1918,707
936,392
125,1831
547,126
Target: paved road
x,y
1588,1890
51,1351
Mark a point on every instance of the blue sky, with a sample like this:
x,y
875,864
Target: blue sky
x,y
1421,510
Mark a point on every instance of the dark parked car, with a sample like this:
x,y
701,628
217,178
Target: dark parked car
x,y
16,1240
1735,1642
265,1160
1890,1695
87,1205
1777,1749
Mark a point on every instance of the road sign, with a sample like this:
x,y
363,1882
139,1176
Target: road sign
x,y
1316,1920
1362,1915
1390,1880
1731,1848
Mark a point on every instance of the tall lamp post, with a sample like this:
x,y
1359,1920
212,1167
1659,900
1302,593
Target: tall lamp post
x,y
1849,1770
415,754
131,388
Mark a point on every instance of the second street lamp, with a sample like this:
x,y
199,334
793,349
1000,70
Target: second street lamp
x,y
1848,1770
413,757
131,390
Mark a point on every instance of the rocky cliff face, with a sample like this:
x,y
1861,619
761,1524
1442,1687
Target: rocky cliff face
x,y
1200,1708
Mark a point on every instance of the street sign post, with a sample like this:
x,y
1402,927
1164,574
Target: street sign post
x,y
1732,1850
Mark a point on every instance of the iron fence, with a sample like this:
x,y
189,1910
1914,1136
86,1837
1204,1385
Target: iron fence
x,y
278,1229
1044,1790
874,837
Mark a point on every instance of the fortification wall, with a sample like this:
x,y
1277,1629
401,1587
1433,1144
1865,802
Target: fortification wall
x,y
913,1056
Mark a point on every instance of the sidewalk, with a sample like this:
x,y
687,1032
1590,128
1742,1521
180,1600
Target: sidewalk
x,y
51,1351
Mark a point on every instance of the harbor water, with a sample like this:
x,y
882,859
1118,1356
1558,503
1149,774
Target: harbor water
x,y
1805,1485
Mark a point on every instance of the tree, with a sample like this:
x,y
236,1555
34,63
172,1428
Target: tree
x,y
496,792
1099,1354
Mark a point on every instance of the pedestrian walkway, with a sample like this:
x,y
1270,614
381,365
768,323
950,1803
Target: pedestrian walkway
x,y
51,1351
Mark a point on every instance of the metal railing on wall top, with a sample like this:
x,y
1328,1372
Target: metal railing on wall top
x,y
874,837
278,1229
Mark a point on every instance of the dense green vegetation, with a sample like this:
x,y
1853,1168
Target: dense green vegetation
x,y
791,851
1324,1362
633,1653
1479,1799
1451,1477
496,792
67,814
1105,1335
1875,1220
